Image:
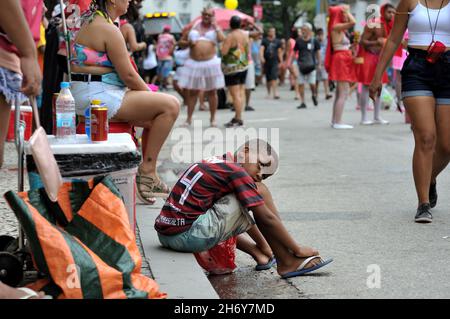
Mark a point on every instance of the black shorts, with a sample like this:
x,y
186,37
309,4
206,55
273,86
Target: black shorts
x,y
237,78
421,78
151,73
271,71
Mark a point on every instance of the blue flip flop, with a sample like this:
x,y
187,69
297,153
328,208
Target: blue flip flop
x,y
302,270
270,264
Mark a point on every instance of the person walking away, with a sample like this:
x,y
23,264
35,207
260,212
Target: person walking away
x,y
150,63
425,90
234,65
371,44
256,57
270,55
20,75
339,60
308,49
282,69
322,75
254,33
164,52
291,62
181,54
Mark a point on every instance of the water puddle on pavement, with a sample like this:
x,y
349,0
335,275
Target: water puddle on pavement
x,y
246,283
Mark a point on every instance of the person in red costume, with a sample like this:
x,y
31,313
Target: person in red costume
x,y
372,42
339,60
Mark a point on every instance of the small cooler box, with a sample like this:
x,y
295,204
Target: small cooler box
x,y
81,159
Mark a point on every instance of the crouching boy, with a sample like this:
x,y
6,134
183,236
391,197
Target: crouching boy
x,y
211,202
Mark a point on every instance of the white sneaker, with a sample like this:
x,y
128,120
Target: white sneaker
x,y
381,121
366,122
341,126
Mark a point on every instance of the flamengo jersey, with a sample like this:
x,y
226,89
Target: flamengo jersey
x,y
199,188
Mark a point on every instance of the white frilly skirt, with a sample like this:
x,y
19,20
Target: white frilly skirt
x,y
202,75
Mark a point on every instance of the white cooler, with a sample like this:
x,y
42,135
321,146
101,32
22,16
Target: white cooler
x,y
82,159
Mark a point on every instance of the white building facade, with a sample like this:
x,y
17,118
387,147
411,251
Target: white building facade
x,y
186,10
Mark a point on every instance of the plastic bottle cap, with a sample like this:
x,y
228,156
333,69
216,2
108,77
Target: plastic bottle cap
x,y
65,85
96,102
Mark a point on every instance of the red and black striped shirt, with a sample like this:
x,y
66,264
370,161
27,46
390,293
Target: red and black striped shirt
x,y
201,185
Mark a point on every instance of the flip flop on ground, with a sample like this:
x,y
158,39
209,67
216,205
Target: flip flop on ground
x,y
302,270
272,261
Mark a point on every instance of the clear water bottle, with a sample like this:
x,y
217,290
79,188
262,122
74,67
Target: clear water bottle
x,y
65,113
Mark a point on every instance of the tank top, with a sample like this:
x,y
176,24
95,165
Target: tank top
x,y
419,25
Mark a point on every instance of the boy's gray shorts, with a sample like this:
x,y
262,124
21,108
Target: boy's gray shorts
x,y
227,218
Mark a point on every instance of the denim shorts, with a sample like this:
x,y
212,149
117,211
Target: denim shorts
x,y
164,68
227,218
110,95
10,85
421,78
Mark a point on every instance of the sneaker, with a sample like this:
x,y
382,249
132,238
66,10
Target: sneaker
x,y
302,106
314,98
381,121
234,123
341,126
249,108
366,122
423,214
329,96
433,195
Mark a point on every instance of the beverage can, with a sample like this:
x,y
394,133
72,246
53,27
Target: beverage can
x,y
99,123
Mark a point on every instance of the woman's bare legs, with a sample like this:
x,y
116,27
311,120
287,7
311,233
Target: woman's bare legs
x,y
441,156
422,112
213,103
161,110
180,91
238,102
5,111
201,100
342,90
191,100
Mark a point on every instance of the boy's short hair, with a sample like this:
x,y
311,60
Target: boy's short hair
x,y
265,152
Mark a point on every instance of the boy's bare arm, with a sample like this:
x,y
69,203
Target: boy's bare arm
x,y
272,228
268,199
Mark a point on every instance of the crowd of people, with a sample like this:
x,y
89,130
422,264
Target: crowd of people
x,y
105,63
206,60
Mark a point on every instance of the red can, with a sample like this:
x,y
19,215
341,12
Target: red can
x,y
55,97
99,124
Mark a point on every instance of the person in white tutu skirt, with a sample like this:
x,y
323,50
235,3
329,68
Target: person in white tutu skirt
x,y
202,71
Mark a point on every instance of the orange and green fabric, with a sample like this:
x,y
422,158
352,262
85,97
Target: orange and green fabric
x,y
83,242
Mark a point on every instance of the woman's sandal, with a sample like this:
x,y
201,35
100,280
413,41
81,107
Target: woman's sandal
x,y
148,189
